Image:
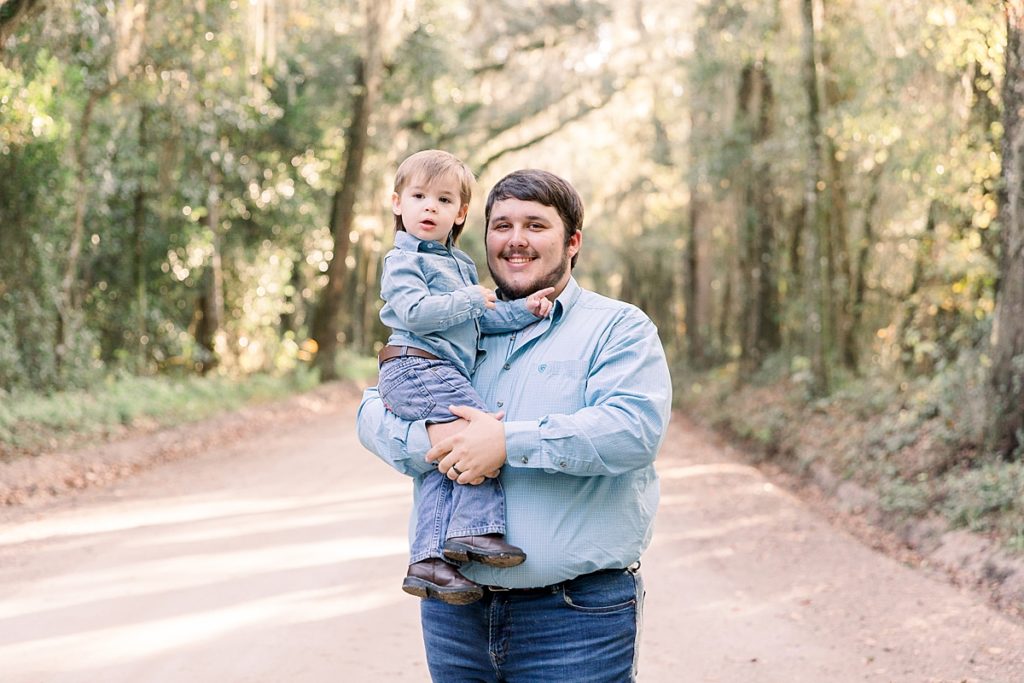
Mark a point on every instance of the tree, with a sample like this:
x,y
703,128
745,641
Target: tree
x,y
13,13
1007,378
369,72
816,284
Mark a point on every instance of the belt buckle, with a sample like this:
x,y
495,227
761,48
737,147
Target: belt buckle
x,y
498,589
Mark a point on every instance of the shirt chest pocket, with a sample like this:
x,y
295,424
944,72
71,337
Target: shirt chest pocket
x,y
560,384
442,281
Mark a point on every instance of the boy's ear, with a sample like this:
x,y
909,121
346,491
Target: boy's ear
x,y
396,204
461,218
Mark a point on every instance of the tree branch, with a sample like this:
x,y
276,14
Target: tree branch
x,y
13,13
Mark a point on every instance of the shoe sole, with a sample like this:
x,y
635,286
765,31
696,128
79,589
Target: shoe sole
x,y
465,553
425,589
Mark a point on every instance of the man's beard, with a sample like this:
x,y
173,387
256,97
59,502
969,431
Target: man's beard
x,y
510,292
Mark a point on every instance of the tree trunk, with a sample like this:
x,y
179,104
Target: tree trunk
x,y
13,13
839,262
867,243
759,326
746,221
691,289
211,302
139,251
357,139
1007,379
816,285
911,301
67,296
767,327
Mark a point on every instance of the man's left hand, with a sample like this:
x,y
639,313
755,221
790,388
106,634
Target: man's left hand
x,y
477,451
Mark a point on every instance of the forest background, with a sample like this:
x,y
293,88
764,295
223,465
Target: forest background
x,y
819,202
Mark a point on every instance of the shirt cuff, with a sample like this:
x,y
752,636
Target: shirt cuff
x,y
475,297
522,444
417,443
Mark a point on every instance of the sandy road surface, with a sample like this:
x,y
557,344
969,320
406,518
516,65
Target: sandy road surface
x,y
280,559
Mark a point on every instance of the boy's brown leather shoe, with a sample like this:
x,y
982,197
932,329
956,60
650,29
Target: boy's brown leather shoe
x,y
435,578
489,549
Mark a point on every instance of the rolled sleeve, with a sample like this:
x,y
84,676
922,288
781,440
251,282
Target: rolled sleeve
x,y
400,444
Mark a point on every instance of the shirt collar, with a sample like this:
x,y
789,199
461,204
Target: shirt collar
x,y
569,296
565,300
409,242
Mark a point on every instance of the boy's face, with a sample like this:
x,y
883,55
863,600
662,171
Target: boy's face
x,y
429,210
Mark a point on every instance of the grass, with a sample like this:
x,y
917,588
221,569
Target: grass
x,y
31,423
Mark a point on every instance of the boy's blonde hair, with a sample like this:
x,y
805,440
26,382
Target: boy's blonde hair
x,y
428,165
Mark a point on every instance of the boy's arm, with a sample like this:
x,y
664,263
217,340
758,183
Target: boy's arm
x,y
404,288
509,316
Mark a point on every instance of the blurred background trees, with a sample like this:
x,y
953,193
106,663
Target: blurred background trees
x,y
824,189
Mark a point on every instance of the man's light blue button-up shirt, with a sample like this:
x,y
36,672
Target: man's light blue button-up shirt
x,y
587,397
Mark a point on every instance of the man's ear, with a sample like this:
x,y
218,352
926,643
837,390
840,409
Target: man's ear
x,y
575,243
396,204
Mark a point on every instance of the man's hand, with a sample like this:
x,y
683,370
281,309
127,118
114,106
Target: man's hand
x,y
538,303
474,452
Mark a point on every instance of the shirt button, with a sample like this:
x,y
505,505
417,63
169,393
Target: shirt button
x,y
506,366
501,403
562,464
526,459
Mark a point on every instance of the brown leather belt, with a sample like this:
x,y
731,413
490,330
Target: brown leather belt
x,y
554,588
390,352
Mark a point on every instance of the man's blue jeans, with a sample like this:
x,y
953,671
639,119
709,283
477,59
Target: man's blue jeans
x,y
585,630
420,389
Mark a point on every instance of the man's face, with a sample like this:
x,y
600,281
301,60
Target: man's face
x,y
526,248
430,209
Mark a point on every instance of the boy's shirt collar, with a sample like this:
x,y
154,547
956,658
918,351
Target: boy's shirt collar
x,y
409,242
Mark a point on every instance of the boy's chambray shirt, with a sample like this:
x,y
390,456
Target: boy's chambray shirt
x,y
587,397
432,302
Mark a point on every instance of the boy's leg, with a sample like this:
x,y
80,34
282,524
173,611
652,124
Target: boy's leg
x,y
423,389
476,527
476,518
429,575
431,510
409,390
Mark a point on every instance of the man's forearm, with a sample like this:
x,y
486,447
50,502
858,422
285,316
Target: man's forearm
x,y
399,443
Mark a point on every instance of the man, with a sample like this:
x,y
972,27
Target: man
x,y
586,395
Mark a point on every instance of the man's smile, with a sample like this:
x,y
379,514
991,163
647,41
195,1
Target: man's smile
x,y
518,259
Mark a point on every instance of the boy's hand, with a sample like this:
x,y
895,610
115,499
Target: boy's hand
x,y
538,303
489,296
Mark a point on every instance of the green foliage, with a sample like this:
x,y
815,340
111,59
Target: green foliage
x,y
918,445
988,498
30,423
906,499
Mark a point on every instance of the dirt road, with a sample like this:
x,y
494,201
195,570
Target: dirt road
x,y
280,559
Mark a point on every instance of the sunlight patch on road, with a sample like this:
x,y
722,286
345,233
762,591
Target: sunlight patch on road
x,y
123,516
106,646
715,531
194,572
706,470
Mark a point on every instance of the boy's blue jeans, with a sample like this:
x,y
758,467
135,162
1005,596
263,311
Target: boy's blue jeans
x,y
420,389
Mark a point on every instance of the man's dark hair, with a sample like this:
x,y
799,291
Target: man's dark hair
x,y
533,185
